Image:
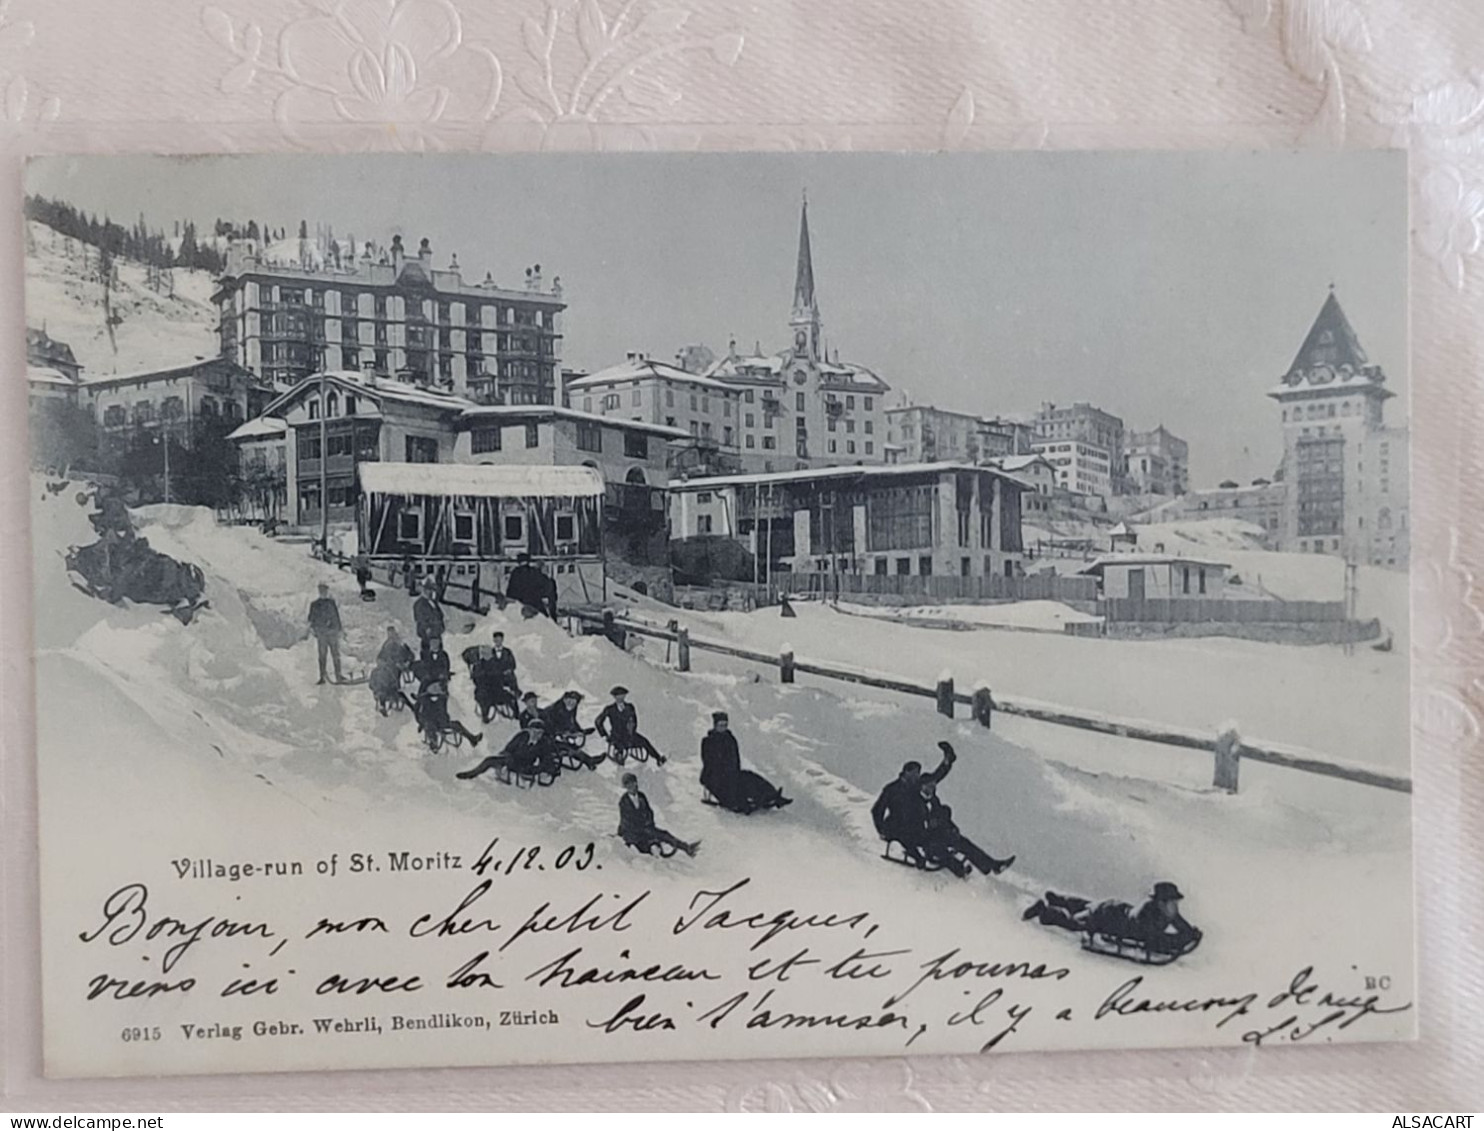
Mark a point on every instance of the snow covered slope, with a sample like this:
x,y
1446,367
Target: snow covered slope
x,y
156,329
221,723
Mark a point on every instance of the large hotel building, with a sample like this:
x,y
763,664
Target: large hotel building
x,y
395,315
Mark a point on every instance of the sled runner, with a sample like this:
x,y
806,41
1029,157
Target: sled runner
x,y
569,757
523,780
621,754
437,739
1132,950
902,857
354,680
368,595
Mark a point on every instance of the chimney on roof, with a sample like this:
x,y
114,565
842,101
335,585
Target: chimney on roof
x,y
397,254
425,254
489,280
453,263
536,277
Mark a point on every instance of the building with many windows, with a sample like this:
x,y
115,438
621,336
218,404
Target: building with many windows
x,y
919,433
52,372
1084,444
905,520
641,389
334,422
1260,503
798,408
395,315
1156,462
1345,471
179,401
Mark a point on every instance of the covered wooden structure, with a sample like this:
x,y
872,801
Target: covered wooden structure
x,y
474,520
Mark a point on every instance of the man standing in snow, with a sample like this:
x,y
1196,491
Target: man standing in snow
x,y
900,813
324,623
427,616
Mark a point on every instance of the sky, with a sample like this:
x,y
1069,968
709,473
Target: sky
x,y
1166,288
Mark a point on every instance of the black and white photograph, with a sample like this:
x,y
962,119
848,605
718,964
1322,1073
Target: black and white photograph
x,y
561,608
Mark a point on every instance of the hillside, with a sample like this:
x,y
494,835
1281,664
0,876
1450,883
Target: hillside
x,y
155,329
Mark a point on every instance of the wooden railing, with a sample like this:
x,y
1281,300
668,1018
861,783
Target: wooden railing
x,y
1227,748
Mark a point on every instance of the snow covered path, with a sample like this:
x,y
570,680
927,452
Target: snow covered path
x,y
223,717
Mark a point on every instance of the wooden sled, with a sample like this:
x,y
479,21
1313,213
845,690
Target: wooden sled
x,y
506,776
901,856
621,754
1132,950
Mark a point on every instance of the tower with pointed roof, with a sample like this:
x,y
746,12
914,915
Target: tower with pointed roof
x,y
1345,471
804,321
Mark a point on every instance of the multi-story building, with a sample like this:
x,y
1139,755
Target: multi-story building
x,y
918,433
1034,470
349,418
1082,468
1345,471
179,401
394,315
1156,462
1260,503
1084,444
638,388
52,372
921,433
909,520
802,407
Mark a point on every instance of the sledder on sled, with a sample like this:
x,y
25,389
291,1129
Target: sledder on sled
x,y
1156,935
568,735
528,759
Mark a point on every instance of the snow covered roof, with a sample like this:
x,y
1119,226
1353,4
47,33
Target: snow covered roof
x,y
169,371
377,388
853,471
263,427
549,411
46,375
1151,559
640,368
1323,379
496,481
1019,463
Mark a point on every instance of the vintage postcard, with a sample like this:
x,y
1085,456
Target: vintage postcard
x,y
557,608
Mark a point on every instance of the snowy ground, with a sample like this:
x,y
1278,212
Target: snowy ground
x,y
221,723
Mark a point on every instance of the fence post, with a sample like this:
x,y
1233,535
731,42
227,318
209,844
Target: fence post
x,y
682,649
945,694
1228,750
786,664
982,706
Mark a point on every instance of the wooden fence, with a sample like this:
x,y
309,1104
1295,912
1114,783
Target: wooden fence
x,y
1036,587
1186,610
1227,749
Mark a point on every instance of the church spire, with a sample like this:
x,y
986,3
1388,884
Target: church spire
x,y
805,318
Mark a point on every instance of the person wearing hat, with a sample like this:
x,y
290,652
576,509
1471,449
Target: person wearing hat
x,y
900,814
636,822
1158,924
529,752
427,615
432,670
944,843
492,668
564,728
530,708
386,677
527,585
722,775
619,724
324,623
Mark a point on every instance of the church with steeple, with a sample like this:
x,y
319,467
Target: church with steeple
x,y
785,410
803,406
1344,470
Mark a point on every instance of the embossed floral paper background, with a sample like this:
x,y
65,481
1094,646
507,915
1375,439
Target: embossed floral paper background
x,y
187,76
